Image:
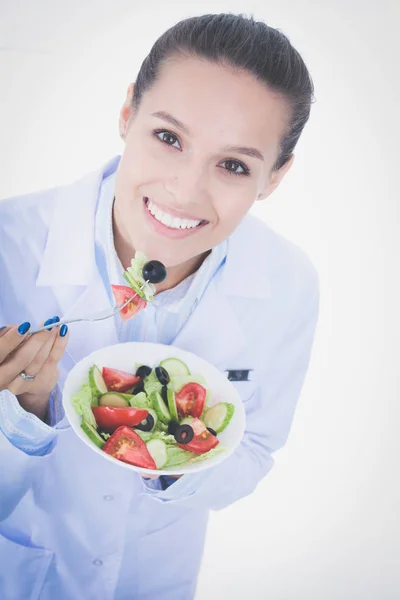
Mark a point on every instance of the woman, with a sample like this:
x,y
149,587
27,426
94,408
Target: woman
x,y
209,128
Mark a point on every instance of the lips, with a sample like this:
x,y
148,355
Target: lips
x,y
182,225
172,218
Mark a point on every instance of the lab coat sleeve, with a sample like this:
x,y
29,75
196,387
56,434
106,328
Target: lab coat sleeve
x,y
269,413
25,445
24,430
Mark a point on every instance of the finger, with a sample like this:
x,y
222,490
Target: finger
x,y
12,337
42,355
3,330
22,356
50,355
59,345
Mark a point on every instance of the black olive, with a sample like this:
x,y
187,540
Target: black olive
x,y
164,394
162,375
172,426
154,271
147,424
143,371
138,388
184,434
212,431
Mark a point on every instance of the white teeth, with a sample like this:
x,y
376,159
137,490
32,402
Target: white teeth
x,y
177,223
169,220
166,219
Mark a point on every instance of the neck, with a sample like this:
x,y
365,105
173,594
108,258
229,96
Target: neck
x,y
126,251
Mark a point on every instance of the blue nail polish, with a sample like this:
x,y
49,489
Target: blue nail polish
x,y
56,319
63,330
48,322
3,327
23,328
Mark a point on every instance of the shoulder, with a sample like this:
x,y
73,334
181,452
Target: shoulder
x,y
28,212
266,264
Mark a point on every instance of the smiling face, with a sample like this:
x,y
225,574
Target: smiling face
x,y
199,152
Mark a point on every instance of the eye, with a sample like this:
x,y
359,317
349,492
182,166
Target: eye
x,y
167,138
235,167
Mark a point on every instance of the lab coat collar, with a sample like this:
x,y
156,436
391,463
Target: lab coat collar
x,y
69,256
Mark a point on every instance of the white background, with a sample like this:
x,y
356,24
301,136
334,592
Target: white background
x,y
324,524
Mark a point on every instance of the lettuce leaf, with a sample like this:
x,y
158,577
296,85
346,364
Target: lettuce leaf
x,y
169,440
180,457
82,402
140,401
152,384
200,457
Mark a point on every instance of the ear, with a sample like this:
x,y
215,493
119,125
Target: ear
x,y
126,111
275,179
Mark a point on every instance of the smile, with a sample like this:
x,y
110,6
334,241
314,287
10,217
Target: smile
x,y
170,220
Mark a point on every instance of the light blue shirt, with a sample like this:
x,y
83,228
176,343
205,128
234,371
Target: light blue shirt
x,y
160,322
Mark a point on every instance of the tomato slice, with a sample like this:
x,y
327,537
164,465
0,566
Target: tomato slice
x,y
190,400
121,295
202,441
127,446
119,381
109,418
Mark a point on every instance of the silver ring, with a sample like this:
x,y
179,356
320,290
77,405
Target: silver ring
x,y
26,377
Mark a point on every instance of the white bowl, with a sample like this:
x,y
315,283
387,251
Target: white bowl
x,y
124,357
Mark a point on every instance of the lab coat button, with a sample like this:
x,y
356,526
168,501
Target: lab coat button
x,y
108,497
98,562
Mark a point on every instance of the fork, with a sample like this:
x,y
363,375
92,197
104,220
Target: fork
x,y
100,316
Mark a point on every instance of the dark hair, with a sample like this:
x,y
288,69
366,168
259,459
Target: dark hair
x,y
243,43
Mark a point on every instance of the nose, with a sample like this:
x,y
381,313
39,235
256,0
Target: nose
x,y
187,187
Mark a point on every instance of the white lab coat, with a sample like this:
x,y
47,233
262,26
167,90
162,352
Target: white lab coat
x,y
74,526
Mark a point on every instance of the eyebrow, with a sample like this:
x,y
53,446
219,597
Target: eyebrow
x,y
165,116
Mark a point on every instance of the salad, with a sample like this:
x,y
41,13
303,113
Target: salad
x,y
140,276
156,417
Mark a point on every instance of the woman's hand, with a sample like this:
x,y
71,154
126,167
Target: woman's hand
x,y
37,355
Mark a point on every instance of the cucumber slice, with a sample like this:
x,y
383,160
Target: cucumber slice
x,y
155,417
92,434
172,405
97,385
174,367
158,451
160,407
219,416
186,421
113,399
205,409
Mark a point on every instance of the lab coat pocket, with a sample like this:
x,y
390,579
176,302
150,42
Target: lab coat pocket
x,y
23,570
244,380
